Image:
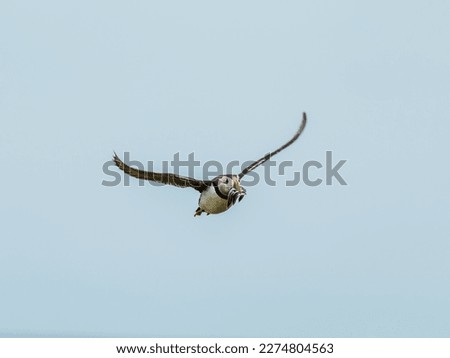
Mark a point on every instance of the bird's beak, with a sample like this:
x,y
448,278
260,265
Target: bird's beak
x,y
238,186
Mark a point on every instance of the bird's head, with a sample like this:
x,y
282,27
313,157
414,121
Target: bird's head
x,y
228,182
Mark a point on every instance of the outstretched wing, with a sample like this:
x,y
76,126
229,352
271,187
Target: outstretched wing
x,y
271,154
164,178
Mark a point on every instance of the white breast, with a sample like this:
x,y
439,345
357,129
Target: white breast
x,y
211,202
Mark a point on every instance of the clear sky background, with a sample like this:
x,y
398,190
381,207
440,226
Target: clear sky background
x,y
228,81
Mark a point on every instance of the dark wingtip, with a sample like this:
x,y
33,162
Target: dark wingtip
x,y
116,159
303,124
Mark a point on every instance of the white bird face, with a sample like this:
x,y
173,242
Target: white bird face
x,y
226,184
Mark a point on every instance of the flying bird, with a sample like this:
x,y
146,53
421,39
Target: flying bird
x,y
216,195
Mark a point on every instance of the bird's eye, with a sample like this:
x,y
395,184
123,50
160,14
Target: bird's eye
x,y
227,180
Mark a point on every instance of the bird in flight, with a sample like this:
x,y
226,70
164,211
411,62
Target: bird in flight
x,y
216,195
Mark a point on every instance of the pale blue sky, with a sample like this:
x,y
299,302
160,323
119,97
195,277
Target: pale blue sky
x,y
228,81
